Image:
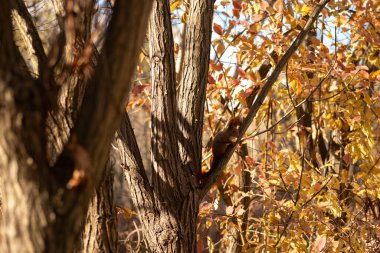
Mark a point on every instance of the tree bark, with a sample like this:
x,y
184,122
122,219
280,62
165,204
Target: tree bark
x,y
100,232
168,208
45,200
192,86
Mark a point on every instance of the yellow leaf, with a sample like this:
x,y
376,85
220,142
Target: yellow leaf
x,y
375,74
279,6
367,99
210,244
184,18
208,223
305,10
175,5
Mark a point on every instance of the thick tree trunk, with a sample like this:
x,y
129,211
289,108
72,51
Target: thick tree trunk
x,y
45,200
168,208
168,228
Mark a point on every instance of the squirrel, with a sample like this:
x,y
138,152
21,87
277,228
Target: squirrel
x,y
222,141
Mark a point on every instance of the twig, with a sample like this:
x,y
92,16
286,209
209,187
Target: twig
x,y
298,105
300,182
373,166
261,97
287,86
287,222
286,188
316,193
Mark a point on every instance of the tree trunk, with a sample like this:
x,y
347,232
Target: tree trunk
x,y
168,228
100,233
46,195
168,208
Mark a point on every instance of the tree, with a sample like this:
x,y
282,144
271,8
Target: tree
x,y
52,155
168,207
305,173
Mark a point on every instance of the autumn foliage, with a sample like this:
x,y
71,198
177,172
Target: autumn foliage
x,y
306,175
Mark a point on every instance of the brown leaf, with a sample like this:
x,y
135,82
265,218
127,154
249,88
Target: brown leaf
x,y
236,13
241,72
211,79
320,243
279,6
236,4
264,5
250,161
218,29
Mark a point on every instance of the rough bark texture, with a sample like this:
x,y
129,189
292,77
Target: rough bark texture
x,y
100,234
192,86
69,77
45,202
23,170
165,157
168,209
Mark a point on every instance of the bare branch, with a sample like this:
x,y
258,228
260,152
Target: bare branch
x,y
295,106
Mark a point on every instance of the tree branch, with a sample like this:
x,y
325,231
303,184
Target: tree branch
x,y
165,157
192,86
33,40
263,93
99,117
66,82
133,168
16,81
133,163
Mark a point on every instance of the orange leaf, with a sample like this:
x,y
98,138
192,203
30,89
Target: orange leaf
x,y
211,79
250,161
238,170
264,5
200,245
236,4
279,6
78,177
257,18
236,13
126,212
218,29
241,72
